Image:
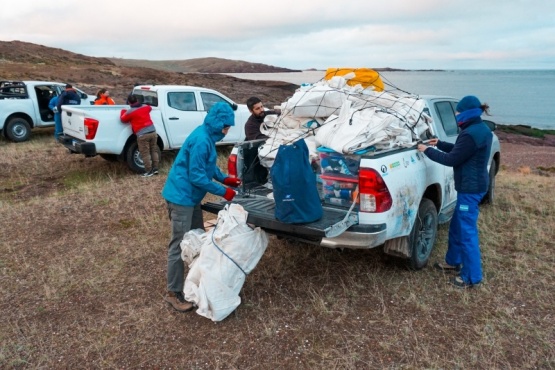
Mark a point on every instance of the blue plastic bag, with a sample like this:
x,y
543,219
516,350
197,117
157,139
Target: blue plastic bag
x,y
294,182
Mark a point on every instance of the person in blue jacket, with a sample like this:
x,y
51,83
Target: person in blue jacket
x,y
68,97
52,104
190,178
469,158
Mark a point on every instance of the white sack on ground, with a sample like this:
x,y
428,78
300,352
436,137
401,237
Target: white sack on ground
x,y
214,279
191,245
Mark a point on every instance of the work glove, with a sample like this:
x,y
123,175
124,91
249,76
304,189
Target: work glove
x,y
229,194
232,181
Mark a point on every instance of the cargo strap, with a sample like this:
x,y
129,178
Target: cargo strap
x,y
349,220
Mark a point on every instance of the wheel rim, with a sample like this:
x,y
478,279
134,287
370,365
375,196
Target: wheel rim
x,y
138,159
18,130
425,236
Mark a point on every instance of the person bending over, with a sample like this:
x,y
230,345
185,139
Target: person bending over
x,y
190,178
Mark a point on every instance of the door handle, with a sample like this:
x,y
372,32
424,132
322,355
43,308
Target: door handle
x,y
173,118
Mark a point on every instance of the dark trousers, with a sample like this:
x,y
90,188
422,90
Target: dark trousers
x,y
182,220
149,150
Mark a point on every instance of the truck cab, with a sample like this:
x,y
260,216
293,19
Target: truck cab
x,y
24,106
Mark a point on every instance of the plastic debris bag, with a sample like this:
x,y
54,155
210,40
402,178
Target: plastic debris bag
x,y
230,251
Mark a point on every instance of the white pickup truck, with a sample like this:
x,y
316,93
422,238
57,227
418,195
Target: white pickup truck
x,y
177,111
24,106
405,194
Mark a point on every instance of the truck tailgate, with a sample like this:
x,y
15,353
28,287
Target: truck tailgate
x,y
261,213
73,122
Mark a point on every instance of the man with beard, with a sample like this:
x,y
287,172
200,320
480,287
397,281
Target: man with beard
x,y
252,127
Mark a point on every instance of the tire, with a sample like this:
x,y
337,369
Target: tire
x,y
109,157
423,234
490,195
18,129
134,160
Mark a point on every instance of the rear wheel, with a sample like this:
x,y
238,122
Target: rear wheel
x,y
490,195
423,234
134,160
18,129
109,157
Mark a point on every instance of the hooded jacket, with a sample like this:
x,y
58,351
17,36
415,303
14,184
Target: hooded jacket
x,y
195,167
138,115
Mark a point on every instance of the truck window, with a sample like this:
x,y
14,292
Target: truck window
x,y
146,97
184,101
14,90
209,99
447,115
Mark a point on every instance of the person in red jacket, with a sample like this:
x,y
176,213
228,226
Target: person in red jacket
x,y
103,98
143,127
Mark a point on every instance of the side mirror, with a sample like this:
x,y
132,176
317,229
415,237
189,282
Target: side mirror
x,y
492,126
234,106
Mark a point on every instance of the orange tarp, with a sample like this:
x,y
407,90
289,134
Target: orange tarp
x,y
364,76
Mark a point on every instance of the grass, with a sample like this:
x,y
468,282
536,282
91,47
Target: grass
x,y
82,275
525,130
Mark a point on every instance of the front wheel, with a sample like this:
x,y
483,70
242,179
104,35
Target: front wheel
x,y
134,160
423,234
18,129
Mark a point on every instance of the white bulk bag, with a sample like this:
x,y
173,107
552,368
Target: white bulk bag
x,y
316,101
230,251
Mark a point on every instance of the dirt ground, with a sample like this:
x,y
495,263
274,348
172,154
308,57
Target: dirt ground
x,y
521,153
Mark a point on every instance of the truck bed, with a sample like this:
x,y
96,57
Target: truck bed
x,y
262,210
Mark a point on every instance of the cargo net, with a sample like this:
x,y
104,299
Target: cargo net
x,y
349,111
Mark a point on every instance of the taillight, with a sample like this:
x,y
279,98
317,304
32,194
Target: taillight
x,y
91,125
373,192
232,165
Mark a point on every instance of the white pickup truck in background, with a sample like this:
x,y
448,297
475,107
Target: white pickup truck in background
x,y
24,106
176,112
394,198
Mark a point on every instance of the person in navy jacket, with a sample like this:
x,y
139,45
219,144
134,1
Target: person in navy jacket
x,y
469,158
190,178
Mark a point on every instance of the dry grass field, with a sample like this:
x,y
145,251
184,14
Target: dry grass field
x,y
82,276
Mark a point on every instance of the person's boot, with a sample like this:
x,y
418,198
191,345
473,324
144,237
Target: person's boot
x,y
181,305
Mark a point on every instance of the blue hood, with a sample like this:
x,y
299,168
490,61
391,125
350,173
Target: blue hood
x,y
218,116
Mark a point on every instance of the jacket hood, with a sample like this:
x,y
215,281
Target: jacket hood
x,y
219,115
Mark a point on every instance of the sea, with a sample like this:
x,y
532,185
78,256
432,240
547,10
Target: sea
x,y
515,97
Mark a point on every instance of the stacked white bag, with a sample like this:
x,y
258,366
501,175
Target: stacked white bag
x,y
344,118
219,261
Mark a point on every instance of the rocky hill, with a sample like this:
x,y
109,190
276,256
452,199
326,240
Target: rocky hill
x,y
201,65
26,61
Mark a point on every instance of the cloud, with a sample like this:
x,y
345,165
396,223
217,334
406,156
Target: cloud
x,y
297,34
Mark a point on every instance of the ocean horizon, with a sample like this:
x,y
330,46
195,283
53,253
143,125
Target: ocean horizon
x,y
515,97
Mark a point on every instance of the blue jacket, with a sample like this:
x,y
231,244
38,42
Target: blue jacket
x,y
68,97
195,167
468,156
52,104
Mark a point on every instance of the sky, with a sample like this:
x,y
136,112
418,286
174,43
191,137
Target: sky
x,y
297,34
